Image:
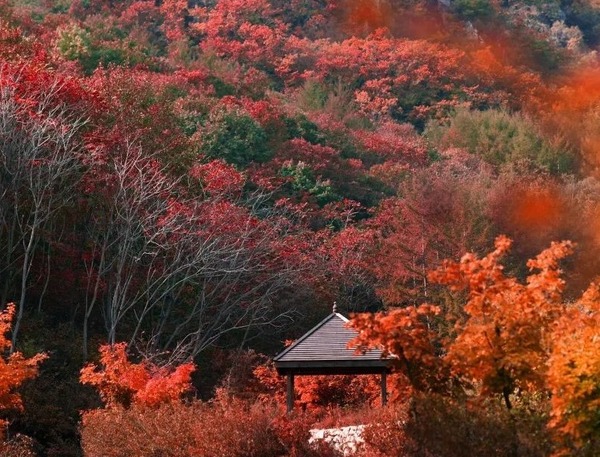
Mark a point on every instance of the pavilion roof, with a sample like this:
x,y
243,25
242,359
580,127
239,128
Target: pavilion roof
x,y
324,350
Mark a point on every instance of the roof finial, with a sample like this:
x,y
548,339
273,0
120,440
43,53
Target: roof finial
x,y
334,307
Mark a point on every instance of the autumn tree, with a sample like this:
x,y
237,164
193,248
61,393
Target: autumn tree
x,y
573,374
441,213
122,230
406,336
231,29
39,149
502,341
182,271
509,338
500,337
14,369
121,382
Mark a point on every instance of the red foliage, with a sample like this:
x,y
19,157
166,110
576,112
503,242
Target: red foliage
x,y
574,373
218,177
261,52
227,426
36,85
174,12
315,155
231,29
317,392
13,45
348,253
393,141
363,16
405,335
509,336
14,369
392,67
123,383
440,215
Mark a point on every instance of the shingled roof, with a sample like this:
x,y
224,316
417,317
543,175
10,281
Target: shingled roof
x,y
324,350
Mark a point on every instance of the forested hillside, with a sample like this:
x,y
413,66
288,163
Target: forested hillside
x,y
186,185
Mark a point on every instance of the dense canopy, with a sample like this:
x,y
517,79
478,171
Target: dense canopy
x,y
186,184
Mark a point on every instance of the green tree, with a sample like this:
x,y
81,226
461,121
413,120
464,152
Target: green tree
x,y
501,139
235,137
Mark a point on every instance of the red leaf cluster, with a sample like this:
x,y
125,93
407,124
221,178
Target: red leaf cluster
x,y
121,382
14,368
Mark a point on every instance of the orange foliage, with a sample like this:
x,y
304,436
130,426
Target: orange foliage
x,y
578,91
535,213
227,426
571,106
405,335
364,16
510,336
535,209
502,342
314,392
574,371
121,382
499,63
14,369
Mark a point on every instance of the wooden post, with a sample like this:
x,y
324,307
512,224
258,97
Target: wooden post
x,y
383,388
290,392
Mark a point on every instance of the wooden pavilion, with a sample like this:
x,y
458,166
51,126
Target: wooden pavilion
x,y
324,351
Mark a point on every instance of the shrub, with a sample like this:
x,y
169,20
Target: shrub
x,y
231,427
235,137
302,179
18,446
430,425
501,139
301,127
121,382
73,42
226,427
473,9
118,432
